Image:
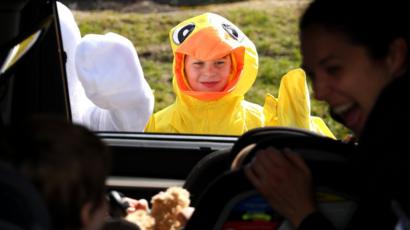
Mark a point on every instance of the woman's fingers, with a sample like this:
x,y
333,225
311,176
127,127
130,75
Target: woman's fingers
x,y
296,160
265,172
284,179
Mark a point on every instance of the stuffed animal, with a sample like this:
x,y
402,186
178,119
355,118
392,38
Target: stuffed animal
x,y
168,211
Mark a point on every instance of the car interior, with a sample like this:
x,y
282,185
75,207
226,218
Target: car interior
x,y
33,81
230,198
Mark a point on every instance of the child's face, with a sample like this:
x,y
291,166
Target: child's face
x,y
207,76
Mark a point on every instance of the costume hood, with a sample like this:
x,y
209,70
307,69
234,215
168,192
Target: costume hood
x,y
206,37
210,36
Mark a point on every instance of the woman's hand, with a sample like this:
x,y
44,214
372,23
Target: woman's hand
x,y
283,178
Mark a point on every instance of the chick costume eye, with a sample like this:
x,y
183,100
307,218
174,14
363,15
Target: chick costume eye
x,y
182,33
231,31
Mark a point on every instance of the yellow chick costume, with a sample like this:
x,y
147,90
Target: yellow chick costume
x,y
208,37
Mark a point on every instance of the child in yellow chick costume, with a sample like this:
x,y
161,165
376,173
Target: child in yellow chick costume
x,y
214,65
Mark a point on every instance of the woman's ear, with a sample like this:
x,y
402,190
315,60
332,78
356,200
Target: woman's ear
x,y
86,214
397,57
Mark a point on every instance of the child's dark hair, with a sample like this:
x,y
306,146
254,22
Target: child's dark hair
x,y
67,163
119,224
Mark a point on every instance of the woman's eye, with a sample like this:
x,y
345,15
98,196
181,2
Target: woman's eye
x,y
333,70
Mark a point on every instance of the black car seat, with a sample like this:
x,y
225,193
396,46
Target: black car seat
x,y
256,135
218,162
231,201
205,171
21,206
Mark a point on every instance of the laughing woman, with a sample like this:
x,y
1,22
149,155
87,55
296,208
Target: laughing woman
x,y
358,61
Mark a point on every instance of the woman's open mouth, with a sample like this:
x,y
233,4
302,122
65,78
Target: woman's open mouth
x,y
350,115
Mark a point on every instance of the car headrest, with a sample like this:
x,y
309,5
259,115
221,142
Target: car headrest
x,y
231,200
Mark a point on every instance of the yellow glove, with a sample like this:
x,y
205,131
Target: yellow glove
x,y
292,107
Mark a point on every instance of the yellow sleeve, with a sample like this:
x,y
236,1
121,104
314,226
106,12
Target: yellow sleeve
x,y
270,110
150,127
319,126
292,107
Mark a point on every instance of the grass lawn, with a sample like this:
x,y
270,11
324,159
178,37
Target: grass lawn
x,y
271,25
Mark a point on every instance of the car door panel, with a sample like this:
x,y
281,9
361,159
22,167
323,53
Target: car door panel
x,y
143,164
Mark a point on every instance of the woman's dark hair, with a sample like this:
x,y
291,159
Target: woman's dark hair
x,y
372,24
67,163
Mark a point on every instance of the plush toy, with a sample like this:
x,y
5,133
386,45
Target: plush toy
x,y
167,212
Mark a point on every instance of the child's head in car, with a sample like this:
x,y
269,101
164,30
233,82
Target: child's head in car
x,y
68,164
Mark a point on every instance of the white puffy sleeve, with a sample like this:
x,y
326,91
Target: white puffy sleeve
x,y
79,103
110,71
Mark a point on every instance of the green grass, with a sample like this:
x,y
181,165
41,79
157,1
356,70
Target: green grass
x,y
271,25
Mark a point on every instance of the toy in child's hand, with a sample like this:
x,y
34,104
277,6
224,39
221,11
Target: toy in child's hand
x,y
167,212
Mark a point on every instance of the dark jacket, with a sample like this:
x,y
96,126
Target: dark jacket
x,y
382,163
